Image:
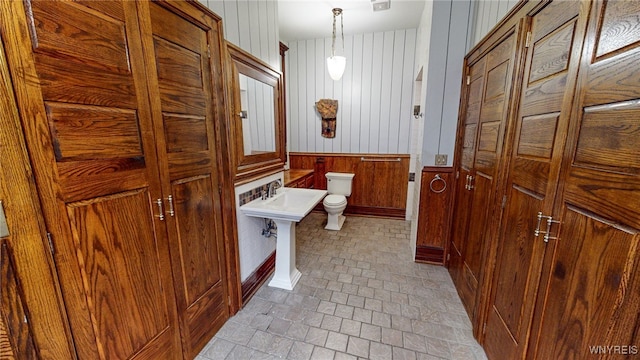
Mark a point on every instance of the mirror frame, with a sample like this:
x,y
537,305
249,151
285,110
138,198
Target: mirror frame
x,y
248,167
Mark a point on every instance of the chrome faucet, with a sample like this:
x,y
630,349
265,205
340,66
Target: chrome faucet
x,y
273,187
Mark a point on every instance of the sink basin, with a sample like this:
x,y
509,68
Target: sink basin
x,y
288,207
291,204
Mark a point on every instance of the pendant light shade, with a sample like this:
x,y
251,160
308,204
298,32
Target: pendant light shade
x,y
336,64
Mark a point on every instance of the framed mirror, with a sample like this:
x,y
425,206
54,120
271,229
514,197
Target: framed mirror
x,y
256,115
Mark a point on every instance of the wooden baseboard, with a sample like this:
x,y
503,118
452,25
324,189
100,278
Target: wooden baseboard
x,y
430,254
258,277
376,211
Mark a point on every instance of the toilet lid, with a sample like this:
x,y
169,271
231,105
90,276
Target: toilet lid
x,y
335,199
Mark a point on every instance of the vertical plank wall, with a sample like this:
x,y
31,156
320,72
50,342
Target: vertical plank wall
x,y
488,14
374,95
251,25
450,28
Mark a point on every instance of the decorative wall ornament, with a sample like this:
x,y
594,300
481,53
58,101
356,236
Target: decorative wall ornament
x,y
328,108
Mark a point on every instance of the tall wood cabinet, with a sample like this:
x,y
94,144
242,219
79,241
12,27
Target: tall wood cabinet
x,y
562,280
121,104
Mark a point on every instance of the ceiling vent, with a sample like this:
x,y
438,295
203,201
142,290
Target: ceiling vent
x,y
379,5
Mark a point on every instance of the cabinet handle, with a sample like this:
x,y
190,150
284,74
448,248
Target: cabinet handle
x,y
471,183
160,209
466,183
172,213
549,221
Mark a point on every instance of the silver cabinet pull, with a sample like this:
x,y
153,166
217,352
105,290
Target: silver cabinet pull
x,y
171,212
160,209
549,221
471,183
466,184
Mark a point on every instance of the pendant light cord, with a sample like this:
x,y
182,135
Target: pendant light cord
x,y
333,42
336,12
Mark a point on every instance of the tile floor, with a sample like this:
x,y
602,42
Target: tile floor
x,y
360,297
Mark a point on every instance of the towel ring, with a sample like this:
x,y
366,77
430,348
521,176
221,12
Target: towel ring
x,y
436,178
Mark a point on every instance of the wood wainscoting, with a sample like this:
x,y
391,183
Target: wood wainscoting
x,y
379,184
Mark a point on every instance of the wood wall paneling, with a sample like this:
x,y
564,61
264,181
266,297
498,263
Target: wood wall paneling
x,y
379,185
434,219
374,112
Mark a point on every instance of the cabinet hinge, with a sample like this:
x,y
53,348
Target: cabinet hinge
x,y
527,42
457,174
468,79
448,257
209,51
229,300
484,328
504,201
53,251
219,189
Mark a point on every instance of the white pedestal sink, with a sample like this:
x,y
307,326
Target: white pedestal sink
x,y
289,206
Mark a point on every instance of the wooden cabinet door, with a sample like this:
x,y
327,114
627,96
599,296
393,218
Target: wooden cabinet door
x,y
463,196
490,133
547,92
592,294
184,81
80,82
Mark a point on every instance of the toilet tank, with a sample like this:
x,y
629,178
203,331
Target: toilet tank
x,y
339,183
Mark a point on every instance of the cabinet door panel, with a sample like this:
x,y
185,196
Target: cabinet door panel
x,y
86,116
592,293
185,96
120,271
491,128
463,195
550,70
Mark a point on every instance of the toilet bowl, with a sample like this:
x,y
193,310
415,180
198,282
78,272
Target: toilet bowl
x,y
338,188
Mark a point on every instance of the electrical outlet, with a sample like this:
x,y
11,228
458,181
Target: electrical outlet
x,y
441,159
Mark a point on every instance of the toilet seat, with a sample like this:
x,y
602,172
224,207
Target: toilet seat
x,y
335,200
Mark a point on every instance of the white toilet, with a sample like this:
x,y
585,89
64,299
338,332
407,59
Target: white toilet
x,y
338,188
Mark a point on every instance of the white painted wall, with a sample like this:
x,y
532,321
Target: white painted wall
x,y
252,246
487,14
253,26
450,27
374,95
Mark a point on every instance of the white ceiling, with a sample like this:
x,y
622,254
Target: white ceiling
x,y
312,19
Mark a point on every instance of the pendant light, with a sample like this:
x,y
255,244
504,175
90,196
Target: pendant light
x,y
336,64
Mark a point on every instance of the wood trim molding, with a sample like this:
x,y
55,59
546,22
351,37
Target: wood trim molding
x,y
430,254
258,277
